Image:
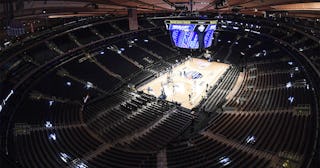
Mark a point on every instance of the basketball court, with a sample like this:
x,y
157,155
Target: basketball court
x,y
187,82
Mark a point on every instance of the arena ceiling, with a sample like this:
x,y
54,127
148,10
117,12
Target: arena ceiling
x,y
65,8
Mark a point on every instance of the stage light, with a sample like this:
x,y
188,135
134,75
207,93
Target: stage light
x,y
68,83
289,85
64,157
291,99
51,102
89,85
52,136
122,49
48,124
101,52
290,62
291,75
4,101
81,165
251,140
255,32
85,99
146,40
224,160
9,95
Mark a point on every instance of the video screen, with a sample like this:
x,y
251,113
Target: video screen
x,y
208,35
191,34
184,36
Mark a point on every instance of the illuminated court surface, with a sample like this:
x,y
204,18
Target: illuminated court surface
x,y
186,83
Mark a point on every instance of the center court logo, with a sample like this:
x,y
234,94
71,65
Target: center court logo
x,y
193,75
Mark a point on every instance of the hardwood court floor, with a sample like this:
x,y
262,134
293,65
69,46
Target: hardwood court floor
x,y
181,85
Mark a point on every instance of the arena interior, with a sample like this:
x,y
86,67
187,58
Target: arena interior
x,y
105,84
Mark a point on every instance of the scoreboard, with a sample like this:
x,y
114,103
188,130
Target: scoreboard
x,y
192,34
191,22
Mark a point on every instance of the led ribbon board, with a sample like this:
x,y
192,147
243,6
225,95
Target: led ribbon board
x,y
192,34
